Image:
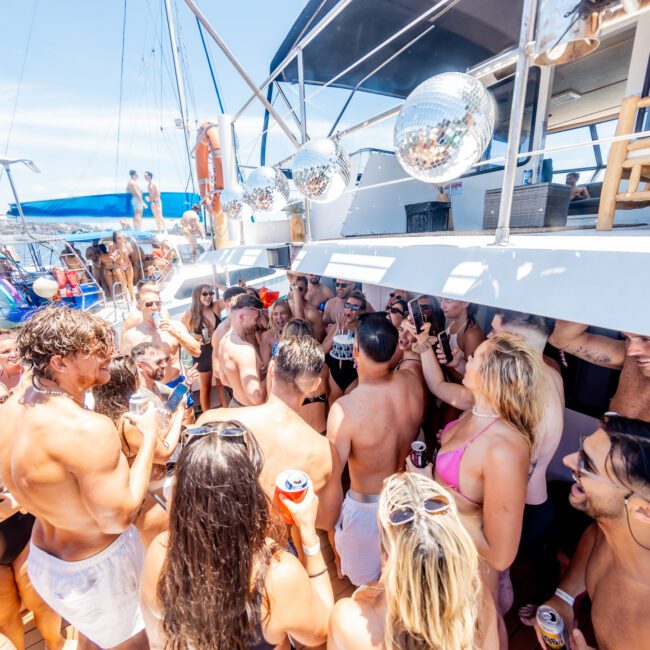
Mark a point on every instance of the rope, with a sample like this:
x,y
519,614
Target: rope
x,y
207,56
119,110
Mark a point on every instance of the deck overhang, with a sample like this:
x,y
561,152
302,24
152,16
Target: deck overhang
x,y
598,278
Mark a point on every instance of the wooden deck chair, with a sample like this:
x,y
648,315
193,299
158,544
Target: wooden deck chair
x,y
627,159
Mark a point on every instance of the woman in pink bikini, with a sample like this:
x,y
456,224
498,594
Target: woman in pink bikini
x,y
484,455
122,269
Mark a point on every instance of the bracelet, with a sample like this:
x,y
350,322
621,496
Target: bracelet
x,y
311,550
320,573
562,595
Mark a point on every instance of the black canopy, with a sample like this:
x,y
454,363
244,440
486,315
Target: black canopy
x,y
470,32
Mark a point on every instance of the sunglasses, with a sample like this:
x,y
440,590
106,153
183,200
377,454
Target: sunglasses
x,y
153,303
341,284
406,514
298,286
349,305
583,467
207,293
395,310
232,434
395,295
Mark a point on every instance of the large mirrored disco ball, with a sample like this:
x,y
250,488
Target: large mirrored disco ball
x,y
443,127
266,190
321,170
233,203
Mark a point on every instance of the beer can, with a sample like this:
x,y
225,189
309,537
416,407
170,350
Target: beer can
x,y
551,626
293,484
205,333
418,449
156,318
528,177
138,403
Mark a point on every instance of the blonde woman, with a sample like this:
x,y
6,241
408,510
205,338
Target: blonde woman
x,y
429,595
279,316
485,455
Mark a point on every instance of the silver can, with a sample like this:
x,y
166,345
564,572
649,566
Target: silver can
x,y
551,626
156,318
205,333
138,403
418,450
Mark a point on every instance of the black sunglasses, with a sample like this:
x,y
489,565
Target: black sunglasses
x,y
298,286
207,293
395,310
349,305
341,284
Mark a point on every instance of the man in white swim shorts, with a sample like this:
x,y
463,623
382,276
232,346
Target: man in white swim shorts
x,y
64,464
373,428
137,203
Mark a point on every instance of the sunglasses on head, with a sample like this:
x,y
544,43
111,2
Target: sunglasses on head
x,y
349,305
406,514
396,310
207,293
341,284
231,434
153,303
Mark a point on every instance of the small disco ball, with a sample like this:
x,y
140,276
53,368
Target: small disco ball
x,y
266,190
443,127
321,170
233,203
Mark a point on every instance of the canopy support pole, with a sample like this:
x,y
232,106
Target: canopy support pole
x,y
303,134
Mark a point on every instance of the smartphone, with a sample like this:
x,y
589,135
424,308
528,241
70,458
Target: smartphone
x,y
443,338
176,397
416,314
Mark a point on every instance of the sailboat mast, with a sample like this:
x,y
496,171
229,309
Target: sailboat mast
x,y
181,87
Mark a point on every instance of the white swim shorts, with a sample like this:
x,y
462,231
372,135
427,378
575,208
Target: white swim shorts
x,y
357,538
98,595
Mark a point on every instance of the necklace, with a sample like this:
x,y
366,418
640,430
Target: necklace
x,y
478,414
46,391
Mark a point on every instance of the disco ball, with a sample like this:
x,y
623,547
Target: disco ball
x,y
233,203
321,170
266,190
443,127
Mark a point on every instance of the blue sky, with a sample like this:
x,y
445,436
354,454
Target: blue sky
x,y
67,102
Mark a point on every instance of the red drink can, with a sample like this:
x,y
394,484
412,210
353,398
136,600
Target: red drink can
x,y
293,484
418,450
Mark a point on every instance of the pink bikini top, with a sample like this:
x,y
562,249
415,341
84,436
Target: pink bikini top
x,y
448,463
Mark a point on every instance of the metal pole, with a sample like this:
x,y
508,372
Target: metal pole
x,y
181,88
287,103
37,262
251,84
526,36
303,133
334,12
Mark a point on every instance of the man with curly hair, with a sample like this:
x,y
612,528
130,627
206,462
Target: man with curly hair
x,y
63,464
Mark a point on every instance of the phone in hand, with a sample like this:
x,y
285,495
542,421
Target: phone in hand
x,y
443,338
416,314
176,397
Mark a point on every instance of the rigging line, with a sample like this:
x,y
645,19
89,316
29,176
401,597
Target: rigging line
x,y
20,81
119,110
187,74
207,56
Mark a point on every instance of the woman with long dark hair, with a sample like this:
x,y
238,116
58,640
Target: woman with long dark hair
x,y
121,252
464,332
201,320
219,578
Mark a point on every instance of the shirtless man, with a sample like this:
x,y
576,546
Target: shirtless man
x,y
335,306
239,360
373,428
318,294
134,317
535,330
286,440
612,561
64,465
577,191
632,397
171,335
137,203
302,308
11,367
191,227
155,203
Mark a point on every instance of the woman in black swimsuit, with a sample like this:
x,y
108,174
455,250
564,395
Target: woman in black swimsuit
x,y
219,578
201,320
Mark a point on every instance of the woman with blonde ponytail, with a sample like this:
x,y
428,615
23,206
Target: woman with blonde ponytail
x,y
429,595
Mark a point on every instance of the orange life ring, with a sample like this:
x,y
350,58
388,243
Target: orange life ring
x,y
210,175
